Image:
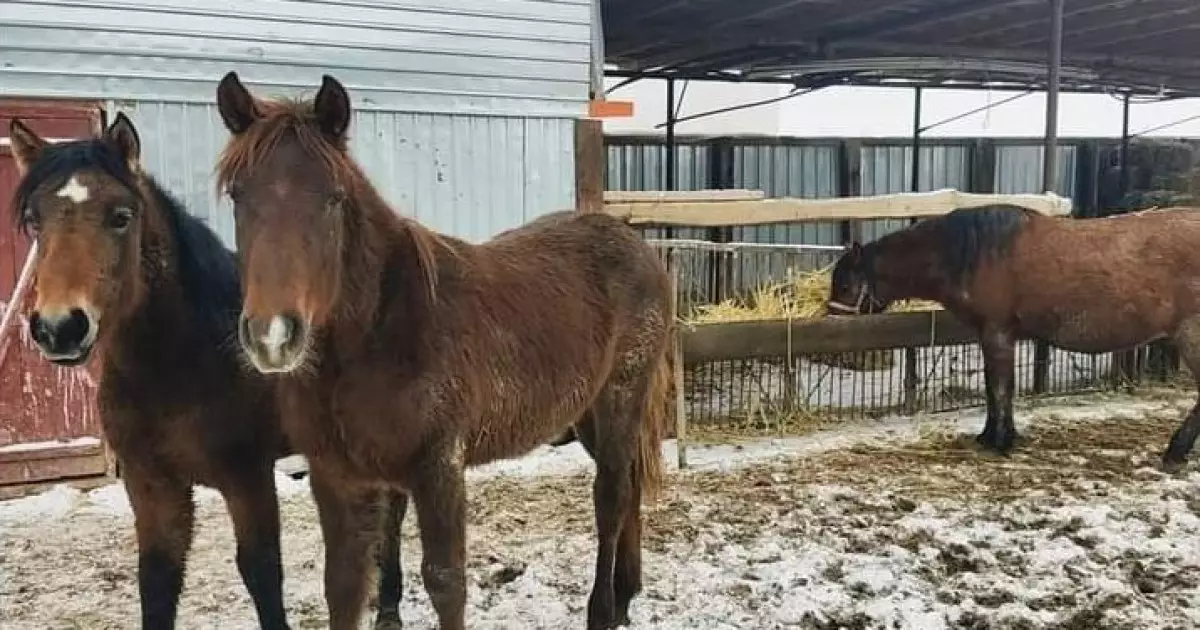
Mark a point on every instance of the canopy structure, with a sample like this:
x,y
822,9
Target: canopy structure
x,y
1147,47
1143,49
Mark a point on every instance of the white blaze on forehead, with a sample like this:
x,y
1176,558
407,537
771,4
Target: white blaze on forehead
x,y
277,335
74,191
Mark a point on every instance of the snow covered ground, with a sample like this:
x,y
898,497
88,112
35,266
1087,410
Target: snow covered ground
x,y
894,524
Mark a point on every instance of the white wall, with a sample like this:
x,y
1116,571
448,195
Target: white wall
x,y
887,112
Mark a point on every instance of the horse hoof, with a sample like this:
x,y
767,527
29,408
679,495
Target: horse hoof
x,y
389,622
1172,466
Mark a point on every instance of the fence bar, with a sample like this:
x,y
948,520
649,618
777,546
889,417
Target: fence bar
x,y
1041,352
911,378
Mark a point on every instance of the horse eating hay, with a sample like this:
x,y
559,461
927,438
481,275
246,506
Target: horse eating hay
x,y
126,274
406,356
1091,286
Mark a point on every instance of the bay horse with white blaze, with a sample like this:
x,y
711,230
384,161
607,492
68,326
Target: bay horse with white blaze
x,y
1083,285
125,274
406,356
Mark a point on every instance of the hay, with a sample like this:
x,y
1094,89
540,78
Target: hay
x,y
803,296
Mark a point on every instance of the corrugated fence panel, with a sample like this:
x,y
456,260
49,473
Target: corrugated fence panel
x,y
469,176
642,166
516,58
1019,169
887,169
787,170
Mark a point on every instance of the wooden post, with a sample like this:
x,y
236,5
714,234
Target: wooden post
x,y
849,183
589,165
680,394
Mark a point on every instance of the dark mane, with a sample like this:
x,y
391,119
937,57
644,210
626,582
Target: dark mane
x,y
56,165
208,271
969,236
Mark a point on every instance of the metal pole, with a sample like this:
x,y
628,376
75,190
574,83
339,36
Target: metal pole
x,y
1041,350
669,176
910,354
915,185
1050,161
1123,187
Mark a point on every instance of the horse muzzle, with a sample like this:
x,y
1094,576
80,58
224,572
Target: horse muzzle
x,y
276,344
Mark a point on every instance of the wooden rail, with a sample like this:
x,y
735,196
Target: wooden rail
x,y
771,338
718,208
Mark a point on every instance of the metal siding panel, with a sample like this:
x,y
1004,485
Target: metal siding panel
x,y
887,169
787,170
1019,169
468,176
513,57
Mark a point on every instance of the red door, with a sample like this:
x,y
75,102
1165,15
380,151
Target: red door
x,y
49,426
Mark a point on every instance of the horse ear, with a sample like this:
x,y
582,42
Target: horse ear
x,y
332,107
27,146
235,103
124,136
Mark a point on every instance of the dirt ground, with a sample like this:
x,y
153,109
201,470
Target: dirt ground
x,y
895,524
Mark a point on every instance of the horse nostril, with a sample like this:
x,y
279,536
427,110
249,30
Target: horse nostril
x,y
41,333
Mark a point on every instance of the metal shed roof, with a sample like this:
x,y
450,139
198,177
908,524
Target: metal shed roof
x,y
1144,46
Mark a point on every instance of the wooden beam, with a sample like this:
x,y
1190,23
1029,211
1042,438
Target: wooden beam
x,y
704,343
51,464
788,210
589,166
675,196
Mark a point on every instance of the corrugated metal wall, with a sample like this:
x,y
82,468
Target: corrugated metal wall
x,y
887,169
464,110
470,176
801,168
787,170
1019,169
516,57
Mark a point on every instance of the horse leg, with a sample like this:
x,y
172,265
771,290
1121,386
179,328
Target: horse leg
x,y
999,358
164,517
1187,340
254,508
349,526
616,412
627,570
441,500
391,576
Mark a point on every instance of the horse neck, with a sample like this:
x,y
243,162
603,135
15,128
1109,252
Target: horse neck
x,y
365,254
383,283
155,316
907,265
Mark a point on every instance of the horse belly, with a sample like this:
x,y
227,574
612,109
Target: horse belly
x,y
1093,331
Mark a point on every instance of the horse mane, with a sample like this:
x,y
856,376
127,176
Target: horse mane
x,y
208,271
280,118
57,163
968,236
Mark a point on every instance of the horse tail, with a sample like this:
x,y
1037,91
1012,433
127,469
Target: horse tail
x,y
660,405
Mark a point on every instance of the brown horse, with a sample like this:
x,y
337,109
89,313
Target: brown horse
x,y
1091,286
407,356
126,275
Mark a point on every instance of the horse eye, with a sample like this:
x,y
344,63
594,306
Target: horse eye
x,y
120,218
